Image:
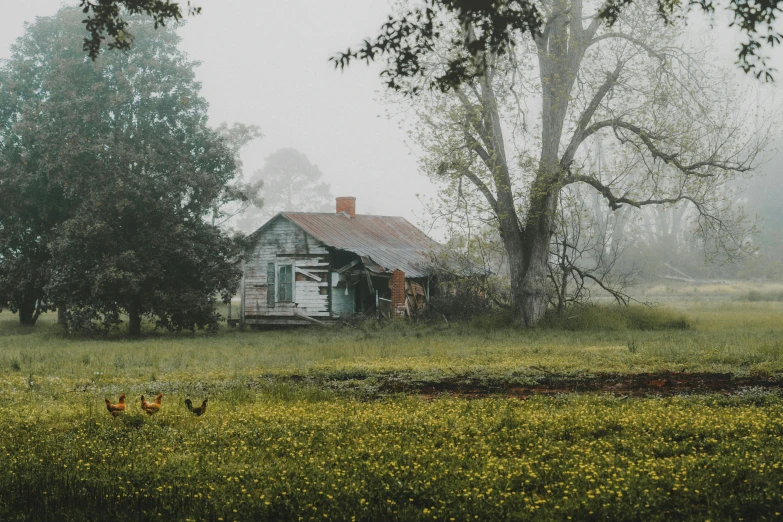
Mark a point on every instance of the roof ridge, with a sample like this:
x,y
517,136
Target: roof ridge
x,y
338,214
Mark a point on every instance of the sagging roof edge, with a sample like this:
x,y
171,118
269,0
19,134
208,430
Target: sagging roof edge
x,y
365,258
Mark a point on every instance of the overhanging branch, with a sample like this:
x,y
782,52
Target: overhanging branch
x,y
649,139
617,202
479,184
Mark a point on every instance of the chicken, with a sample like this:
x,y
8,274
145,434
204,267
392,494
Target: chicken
x,y
151,407
116,409
196,411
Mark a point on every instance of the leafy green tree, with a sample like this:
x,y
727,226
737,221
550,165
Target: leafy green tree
x,y
117,155
44,153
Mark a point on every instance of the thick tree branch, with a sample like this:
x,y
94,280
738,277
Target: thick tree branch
x,y
649,139
617,202
479,184
587,115
478,123
492,153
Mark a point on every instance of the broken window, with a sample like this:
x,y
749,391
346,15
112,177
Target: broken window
x,y
285,283
270,285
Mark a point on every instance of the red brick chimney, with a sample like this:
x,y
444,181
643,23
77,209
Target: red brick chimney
x,y
398,293
347,205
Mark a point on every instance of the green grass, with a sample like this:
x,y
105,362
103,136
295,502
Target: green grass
x,y
295,425
743,338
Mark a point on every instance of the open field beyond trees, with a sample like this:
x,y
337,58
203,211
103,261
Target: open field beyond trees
x,y
682,419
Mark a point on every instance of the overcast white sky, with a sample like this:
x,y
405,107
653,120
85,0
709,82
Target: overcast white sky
x,y
265,63
269,66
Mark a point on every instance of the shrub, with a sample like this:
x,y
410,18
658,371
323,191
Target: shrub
x,y
647,318
460,305
755,295
491,321
633,317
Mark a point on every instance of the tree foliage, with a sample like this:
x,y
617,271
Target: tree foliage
x,y
410,40
238,196
111,173
108,17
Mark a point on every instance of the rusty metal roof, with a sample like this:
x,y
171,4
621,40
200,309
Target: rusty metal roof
x,y
389,241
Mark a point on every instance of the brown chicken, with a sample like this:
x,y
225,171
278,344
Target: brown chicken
x,y
196,411
151,407
116,409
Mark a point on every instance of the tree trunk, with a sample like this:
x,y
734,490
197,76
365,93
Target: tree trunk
x,y
534,297
528,257
561,47
516,267
26,314
563,290
29,311
134,321
61,310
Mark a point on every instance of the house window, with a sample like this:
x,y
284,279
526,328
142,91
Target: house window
x,y
285,283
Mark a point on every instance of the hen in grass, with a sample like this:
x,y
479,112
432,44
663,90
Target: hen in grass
x,y
116,409
151,407
196,411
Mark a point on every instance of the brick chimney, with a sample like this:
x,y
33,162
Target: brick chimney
x,y
398,293
347,205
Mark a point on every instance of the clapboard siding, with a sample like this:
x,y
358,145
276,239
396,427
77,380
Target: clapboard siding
x,y
283,243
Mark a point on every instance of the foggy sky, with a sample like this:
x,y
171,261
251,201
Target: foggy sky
x,y
265,63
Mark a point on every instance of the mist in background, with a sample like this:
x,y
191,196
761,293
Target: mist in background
x,y
266,64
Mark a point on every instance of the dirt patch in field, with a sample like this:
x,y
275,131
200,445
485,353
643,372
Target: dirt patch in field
x,y
636,385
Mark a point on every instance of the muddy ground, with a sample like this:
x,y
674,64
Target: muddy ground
x,y
663,384
637,385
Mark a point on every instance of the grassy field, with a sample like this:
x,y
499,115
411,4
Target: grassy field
x,y
303,424
729,337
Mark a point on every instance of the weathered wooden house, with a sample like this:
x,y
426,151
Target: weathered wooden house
x,y
315,267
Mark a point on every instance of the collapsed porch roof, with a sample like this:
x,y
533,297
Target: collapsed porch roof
x,y
389,242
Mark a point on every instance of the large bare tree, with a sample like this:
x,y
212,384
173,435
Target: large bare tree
x,y
507,143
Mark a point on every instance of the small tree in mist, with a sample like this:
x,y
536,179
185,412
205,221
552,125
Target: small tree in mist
x,y
290,182
122,174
